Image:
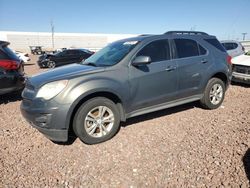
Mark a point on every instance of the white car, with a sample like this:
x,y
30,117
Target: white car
x,y
22,56
234,48
241,68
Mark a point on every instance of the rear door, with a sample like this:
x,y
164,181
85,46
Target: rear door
x,y
192,61
156,82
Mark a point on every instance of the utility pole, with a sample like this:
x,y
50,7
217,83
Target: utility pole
x,y
52,34
244,36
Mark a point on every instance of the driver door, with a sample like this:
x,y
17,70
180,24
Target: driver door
x,y
154,83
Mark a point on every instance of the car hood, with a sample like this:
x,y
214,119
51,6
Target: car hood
x,y
241,60
63,73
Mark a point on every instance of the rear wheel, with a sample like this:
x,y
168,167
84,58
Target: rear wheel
x,y
214,94
97,120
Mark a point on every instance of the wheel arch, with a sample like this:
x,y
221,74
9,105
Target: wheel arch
x,y
222,76
107,94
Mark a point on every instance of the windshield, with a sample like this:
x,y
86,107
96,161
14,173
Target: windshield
x,y
111,54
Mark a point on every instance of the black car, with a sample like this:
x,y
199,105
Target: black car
x,y
11,70
62,58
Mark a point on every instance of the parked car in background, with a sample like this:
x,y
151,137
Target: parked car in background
x,y
24,57
127,78
11,70
241,68
36,50
64,57
234,48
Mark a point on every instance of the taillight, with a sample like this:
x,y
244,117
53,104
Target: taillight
x,y
229,60
9,64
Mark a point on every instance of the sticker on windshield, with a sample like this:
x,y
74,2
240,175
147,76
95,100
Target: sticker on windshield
x,y
130,42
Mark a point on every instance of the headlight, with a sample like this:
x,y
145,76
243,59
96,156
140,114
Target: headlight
x,y
50,90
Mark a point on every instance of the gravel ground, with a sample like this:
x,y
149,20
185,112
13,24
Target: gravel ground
x,y
184,146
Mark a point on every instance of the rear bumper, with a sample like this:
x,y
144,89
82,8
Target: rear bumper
x,y
17,83
242,78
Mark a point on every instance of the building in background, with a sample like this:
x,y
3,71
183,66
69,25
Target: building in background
x,y
22,40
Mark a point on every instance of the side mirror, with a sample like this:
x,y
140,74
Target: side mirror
x,y
141,60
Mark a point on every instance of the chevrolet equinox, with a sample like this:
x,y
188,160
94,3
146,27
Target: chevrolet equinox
x,y
127,78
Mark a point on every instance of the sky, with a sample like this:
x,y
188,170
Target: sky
x,y
227,19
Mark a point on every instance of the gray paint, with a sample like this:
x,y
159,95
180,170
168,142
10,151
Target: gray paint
x,y
141,89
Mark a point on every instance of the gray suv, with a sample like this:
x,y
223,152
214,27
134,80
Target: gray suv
x,y
127,78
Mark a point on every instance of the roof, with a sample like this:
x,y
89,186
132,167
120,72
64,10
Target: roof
x,y
4,43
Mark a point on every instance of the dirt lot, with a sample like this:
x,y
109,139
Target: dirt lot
x,y
184,146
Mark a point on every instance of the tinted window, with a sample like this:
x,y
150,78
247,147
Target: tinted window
x,y
202,50
157,51
216,44
10,53
230,45
73,52
186,48
3,55
63,53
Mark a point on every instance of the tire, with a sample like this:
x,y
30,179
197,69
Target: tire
x,y
51,64
89,125
214,94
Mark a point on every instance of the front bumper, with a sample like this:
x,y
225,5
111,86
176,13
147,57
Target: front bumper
x,y
242,78
49,121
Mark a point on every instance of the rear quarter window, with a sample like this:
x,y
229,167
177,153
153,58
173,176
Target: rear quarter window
x,y
10,54
230,45
216,44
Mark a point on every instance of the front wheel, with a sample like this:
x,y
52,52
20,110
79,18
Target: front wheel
x,y
97,120
51,64
214,94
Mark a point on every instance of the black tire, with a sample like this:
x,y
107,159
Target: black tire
x,y
51,64
80,120
206,99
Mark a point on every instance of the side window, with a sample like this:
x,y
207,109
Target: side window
x,y
202,50
157,51
186,48
72,52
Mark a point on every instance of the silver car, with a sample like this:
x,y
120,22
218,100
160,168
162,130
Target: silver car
x,y
234,48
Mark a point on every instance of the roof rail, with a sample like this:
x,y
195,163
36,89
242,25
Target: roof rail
x,y
186,32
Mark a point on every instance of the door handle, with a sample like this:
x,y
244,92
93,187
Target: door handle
x,y
204,61
170,68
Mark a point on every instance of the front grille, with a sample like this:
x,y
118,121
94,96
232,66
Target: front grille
x,y
241,69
